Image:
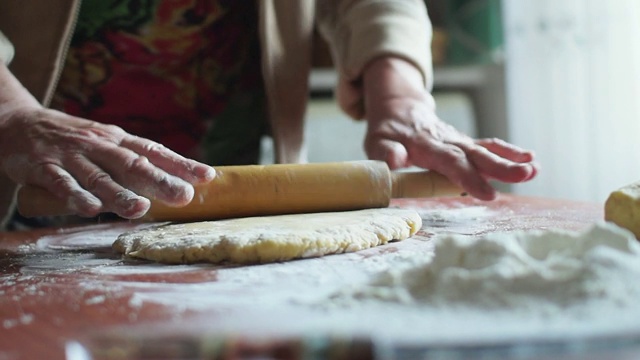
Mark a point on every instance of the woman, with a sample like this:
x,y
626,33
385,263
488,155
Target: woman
x,y
188,73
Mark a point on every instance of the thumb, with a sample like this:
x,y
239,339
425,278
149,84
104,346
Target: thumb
x,y
389,151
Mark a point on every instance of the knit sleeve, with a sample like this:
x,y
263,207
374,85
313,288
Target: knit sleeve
x,y
6,49
359,31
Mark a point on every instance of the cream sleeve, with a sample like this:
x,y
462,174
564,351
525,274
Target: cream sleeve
x,y
359,31
6,49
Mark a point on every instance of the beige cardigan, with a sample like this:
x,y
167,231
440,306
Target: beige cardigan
x,y
357,30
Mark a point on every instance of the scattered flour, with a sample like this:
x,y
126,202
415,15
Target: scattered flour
x,y
24,319
468,220
537,271
99,299
90,237
142,268
455,214
493,287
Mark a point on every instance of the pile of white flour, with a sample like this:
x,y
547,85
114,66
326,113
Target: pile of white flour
x,y
540,272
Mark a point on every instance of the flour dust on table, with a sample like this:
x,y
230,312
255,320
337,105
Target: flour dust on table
x,y
270,238
527,282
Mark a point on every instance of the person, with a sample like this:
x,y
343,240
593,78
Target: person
x,y
96,90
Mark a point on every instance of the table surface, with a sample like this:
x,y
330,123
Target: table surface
x,y
59,286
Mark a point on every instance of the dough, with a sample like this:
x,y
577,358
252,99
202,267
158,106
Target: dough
x,y
623,208
270,238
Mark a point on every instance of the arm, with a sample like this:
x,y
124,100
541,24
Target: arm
x,y
359,31
383,57
94,167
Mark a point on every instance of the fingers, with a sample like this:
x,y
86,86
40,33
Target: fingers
x,y
135,172
451,161
447,159
60,183
90,189
95,167
502,166
389,151
506,150
434,145
167,160
95,193
114,197
498,167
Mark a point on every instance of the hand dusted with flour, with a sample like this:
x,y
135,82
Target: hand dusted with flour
x,y
404,130
95,167
270,238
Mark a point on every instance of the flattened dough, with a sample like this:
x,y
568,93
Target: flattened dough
x,y
270,238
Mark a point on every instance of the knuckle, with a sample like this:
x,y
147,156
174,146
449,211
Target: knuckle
x,y
456,158
81,140
154,148
174,188
104,127
136,164
61,183
96,179
108,131
162,184
492,141
455,154
164,181
113,129
48,171
474,151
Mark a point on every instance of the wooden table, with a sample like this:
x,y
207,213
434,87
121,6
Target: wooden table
x,y
63,285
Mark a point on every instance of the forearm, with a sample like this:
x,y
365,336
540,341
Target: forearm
x,y
362,32
359,31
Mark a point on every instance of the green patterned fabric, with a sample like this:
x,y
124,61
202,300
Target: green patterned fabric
x,y
475,30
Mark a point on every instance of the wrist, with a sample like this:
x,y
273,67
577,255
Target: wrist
x,y
13,96
387,78
7,109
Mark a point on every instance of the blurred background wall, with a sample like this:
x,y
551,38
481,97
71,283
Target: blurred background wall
x,y
573,93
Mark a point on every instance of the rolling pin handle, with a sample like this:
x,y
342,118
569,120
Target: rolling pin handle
x,y
423,184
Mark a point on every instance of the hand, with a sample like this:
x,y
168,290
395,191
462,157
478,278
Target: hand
x,y
404,130
93,167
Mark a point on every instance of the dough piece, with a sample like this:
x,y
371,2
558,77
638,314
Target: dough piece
x,y
623,208
270,238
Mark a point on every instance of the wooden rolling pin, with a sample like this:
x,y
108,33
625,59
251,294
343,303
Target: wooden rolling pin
x,y
254,190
